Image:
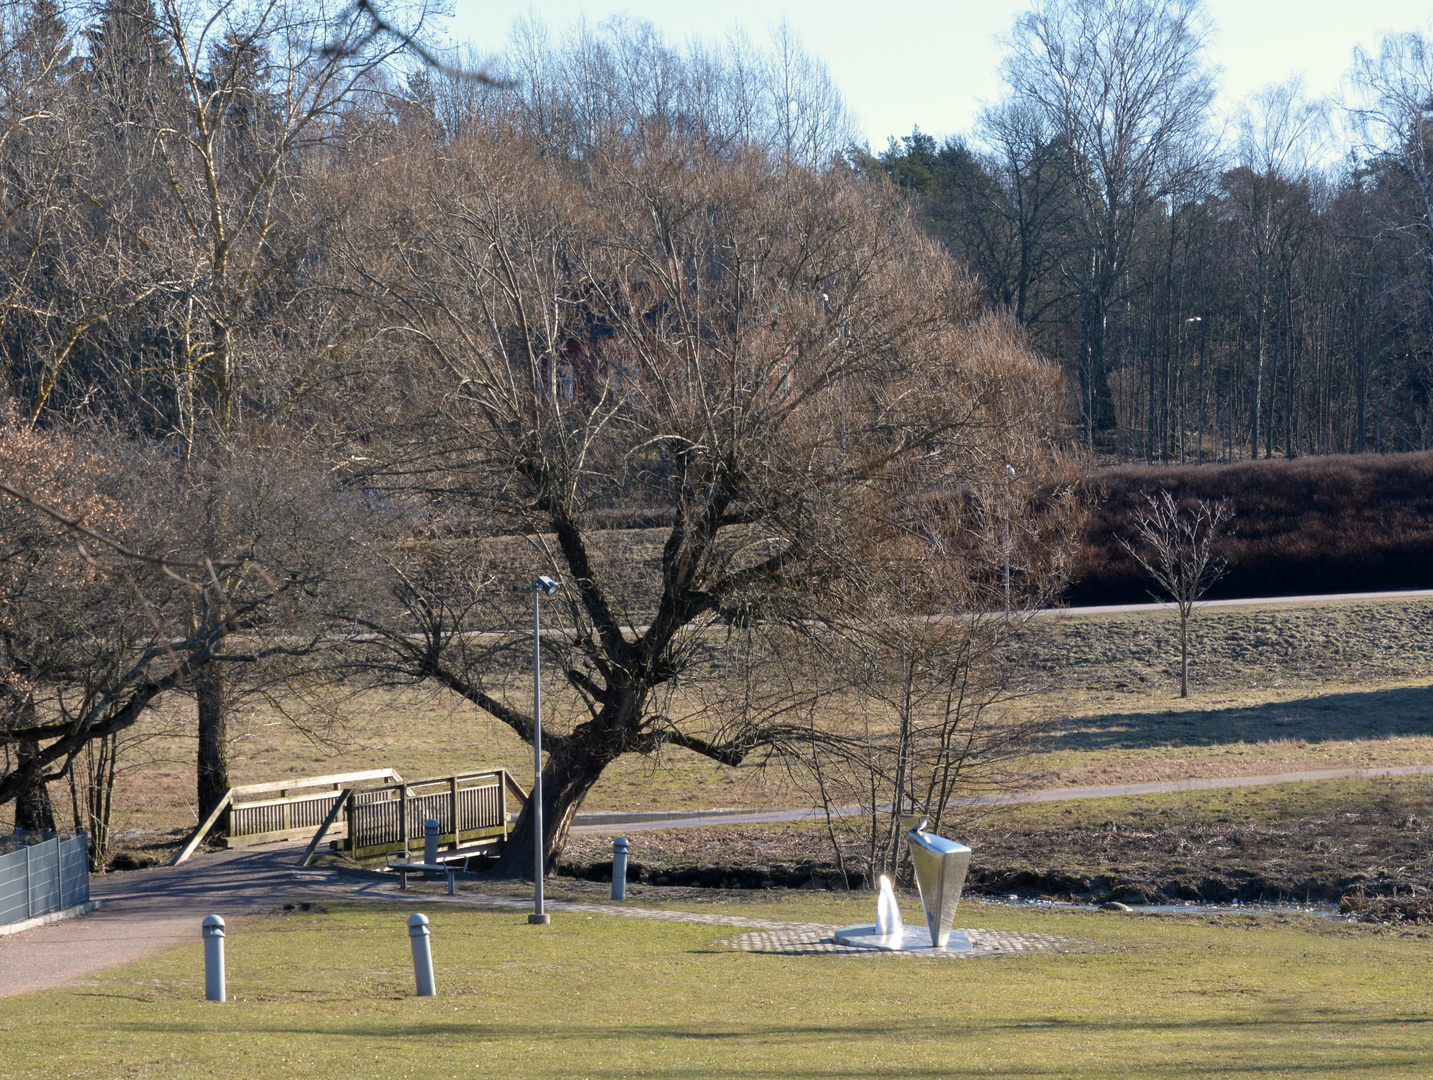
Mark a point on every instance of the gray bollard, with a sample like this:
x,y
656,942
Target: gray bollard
x,y
620,847
422,956
430,841
213,930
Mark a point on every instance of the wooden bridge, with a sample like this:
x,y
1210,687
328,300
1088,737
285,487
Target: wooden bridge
x,y
364,815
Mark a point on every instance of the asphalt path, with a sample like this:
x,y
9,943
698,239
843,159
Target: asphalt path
x,y
619,823
144,912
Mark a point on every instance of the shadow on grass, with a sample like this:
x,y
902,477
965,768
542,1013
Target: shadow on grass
x,y
845,1050
871,1032
1375,714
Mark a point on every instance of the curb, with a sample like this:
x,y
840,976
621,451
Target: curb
x,y
53,917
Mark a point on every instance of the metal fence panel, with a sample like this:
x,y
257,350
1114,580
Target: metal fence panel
x,y
14,888
44,877
75,871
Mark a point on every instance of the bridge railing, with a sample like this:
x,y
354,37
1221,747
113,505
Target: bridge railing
x,y
279,809
474,812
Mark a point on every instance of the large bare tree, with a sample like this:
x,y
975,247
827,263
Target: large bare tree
x,y
766,362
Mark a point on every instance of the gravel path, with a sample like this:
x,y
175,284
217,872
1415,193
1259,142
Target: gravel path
x,y
1261,601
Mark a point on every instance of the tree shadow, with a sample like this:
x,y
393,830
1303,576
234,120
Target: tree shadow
x,y
1374,714
1236,1033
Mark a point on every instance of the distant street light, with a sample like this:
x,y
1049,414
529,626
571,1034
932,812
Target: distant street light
x,y
540,587
1009,476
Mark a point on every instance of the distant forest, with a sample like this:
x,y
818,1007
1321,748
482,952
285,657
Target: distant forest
x,y
1214,288
1264,289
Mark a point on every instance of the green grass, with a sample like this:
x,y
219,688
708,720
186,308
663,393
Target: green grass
x,y
330,995
1266,804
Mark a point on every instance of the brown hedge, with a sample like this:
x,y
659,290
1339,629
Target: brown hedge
x,y
1348,523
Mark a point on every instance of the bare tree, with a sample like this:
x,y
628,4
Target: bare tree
x,y
765,360
94,631
925,677
1395,88
1279,132
1178,547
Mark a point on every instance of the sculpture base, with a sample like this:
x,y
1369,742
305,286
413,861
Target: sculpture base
x,y
914,939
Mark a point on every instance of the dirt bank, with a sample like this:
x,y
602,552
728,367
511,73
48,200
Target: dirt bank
x,y
1303,842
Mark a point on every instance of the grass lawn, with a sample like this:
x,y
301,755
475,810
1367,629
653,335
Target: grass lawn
x,y
329,994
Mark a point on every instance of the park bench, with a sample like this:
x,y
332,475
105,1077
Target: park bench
x,y
407,867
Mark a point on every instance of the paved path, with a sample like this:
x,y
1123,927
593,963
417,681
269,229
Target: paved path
x,y
620,823
148,911
144,912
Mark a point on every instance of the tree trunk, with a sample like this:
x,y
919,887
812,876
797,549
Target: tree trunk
x,y
213,763
568,776
1184,655
33,809
1098,401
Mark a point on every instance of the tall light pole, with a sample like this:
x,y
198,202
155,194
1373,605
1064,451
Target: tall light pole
x,y
540,587
1009,476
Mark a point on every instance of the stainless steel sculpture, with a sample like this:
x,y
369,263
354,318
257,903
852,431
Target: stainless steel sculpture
x,y
940,866
888,913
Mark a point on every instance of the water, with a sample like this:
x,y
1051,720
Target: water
x,y
1185,907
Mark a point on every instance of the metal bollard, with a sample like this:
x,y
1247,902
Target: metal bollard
x,y
620,847
213,930
430,841
422,955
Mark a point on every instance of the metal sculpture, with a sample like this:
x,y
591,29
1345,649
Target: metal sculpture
x,y
888,913
940,866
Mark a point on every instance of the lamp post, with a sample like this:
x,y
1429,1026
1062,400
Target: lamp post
x,y
1009,475
540,587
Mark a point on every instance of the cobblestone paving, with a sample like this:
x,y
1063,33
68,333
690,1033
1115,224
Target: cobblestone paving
x,y
764,935
804,940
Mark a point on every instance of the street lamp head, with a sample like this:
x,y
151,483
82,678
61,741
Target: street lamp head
x,y
545,584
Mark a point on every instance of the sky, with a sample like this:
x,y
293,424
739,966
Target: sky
x,y
932,64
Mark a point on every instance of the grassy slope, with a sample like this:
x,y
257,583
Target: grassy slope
x,y
330,995
1275,689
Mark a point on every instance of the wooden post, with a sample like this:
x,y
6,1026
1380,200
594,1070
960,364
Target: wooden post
x,y
457,825
503,801
339,806
403,815
203,830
